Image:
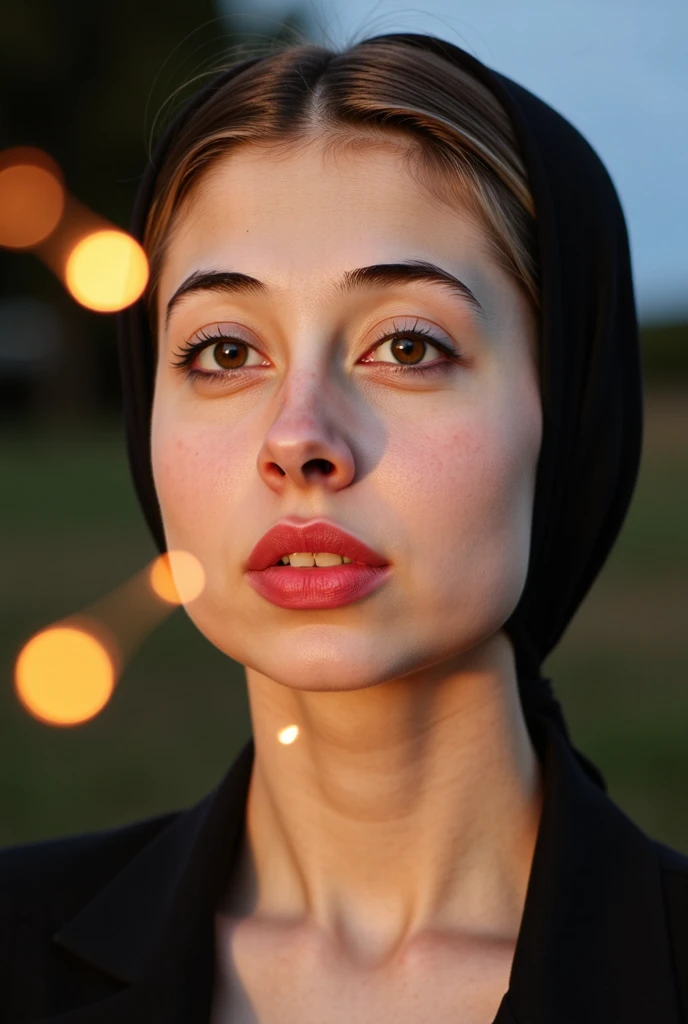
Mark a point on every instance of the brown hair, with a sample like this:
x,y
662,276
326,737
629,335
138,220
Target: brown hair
x,y
459,144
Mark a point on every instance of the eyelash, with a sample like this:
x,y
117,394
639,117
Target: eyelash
x,y
188,351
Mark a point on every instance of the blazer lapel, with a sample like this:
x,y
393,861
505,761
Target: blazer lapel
x,y
152,927
177,991
594,941
593,944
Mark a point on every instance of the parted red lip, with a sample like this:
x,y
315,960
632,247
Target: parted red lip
x,y
292,534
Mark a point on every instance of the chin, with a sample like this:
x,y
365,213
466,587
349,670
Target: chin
x,y
327,656
325,664
329,664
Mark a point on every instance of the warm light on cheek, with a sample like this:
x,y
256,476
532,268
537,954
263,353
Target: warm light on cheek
x,y
177,577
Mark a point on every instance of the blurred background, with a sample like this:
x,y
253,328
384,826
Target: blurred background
x,y
85,82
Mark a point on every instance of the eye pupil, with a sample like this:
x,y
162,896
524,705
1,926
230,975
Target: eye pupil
x,y
408,350
230,354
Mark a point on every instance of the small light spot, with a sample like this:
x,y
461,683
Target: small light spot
x,y
288,734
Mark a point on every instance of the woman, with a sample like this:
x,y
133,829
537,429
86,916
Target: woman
x,y
385,387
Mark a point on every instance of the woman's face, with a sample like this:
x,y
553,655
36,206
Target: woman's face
x,y
318,412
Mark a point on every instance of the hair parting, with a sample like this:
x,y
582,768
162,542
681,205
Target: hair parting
x,y
456,140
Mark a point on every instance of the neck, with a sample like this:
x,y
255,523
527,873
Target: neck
x,y
401,809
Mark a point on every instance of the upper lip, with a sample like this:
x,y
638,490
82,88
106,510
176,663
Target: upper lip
x,y
291,535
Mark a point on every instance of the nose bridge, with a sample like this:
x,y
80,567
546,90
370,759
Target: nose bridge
x,y
307,437
302,402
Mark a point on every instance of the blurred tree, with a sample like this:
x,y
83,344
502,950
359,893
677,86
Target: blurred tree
x,y
84,81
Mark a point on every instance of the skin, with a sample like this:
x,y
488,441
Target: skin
x,y
392,840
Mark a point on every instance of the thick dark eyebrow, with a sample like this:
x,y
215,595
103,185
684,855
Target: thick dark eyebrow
x,y
378,275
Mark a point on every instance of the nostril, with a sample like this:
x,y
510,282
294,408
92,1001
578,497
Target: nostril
x,y
323,466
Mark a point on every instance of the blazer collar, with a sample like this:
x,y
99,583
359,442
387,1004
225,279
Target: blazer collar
x,y
594,940
593,944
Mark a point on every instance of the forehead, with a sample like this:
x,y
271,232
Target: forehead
x,y
365,180
312,208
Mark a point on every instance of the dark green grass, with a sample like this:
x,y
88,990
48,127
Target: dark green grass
x,y
72,532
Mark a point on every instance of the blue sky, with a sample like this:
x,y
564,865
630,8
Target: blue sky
x,y
617,69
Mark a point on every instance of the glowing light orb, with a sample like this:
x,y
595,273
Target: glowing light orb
x,y
177,577
288,734
106,271
32,200
64,676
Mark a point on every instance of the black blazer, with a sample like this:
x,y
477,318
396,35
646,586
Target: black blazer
x,y
117,926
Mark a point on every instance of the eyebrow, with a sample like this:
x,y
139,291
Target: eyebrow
x,y
377,275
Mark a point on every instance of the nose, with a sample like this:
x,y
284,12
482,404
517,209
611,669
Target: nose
x,y
305,446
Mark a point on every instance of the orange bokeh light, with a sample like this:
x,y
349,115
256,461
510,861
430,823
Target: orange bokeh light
x,y
32,197
64,676
177,577
106,271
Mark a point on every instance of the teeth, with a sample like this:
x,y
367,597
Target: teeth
x,y
325,558
301,558
308,559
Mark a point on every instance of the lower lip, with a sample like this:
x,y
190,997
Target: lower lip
x,y
319,587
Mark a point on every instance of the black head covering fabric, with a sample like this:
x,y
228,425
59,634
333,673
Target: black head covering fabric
x,y
590,369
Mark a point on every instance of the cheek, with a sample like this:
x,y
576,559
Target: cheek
x,y
465,489
197,476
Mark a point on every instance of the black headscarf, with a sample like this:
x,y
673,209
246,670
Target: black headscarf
x,y
590,371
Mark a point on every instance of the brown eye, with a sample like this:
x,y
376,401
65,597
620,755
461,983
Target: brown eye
x,y
230,355
408,349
